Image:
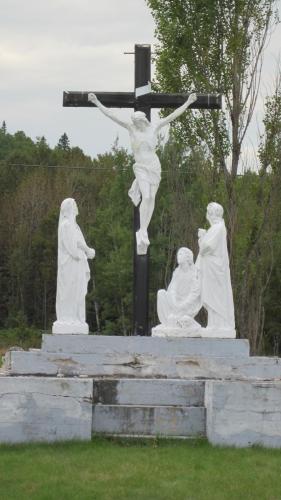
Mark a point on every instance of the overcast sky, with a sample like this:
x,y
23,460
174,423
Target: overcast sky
x,y
50,46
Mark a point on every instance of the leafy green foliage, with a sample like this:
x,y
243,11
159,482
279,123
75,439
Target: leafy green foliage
x,y
29,208
216,46
212,46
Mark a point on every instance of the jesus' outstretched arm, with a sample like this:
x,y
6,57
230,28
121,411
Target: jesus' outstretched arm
x,y
175,114
107,112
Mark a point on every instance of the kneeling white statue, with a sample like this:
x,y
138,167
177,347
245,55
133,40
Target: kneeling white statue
x,y
73,273
177,306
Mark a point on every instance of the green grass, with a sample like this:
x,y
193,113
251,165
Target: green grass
x,y
24,337
148,469
20,336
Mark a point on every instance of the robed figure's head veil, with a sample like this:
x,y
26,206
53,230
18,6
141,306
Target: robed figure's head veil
x,y
67,210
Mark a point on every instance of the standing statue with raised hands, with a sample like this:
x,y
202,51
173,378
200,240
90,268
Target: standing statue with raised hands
x,y
147,168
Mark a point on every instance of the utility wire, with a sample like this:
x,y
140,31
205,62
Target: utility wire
x,y
38,165
93,169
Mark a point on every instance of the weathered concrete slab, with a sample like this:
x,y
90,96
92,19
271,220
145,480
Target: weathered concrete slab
x,y
45,409
149,392
142,366
118,345
149,420
244,413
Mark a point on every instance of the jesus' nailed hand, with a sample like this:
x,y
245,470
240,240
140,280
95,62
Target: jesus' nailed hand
x,y
147,168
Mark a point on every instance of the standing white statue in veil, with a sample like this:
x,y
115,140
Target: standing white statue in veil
x,y
147,168
73,273
213,263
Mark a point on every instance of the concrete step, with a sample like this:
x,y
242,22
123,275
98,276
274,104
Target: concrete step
x,y
149,392
112,365
244,413
45,409
119,346
170,421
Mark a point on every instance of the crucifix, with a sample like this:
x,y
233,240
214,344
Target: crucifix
x,y
142,100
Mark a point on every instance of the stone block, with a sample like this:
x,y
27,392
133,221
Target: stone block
x,y
149,420
45,409
119,345
149,392
244,413
116,365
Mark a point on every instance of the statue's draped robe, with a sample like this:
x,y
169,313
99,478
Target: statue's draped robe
x,y
73,273
216,290
147,167
182,297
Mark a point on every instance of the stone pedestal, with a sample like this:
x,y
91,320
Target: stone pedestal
x,y
45,409
77,385
75,355
72,328
191,332
244,413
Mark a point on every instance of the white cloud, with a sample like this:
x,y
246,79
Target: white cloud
x,y
48,47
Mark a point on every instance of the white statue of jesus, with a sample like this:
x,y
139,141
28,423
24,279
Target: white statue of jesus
x,y
147,168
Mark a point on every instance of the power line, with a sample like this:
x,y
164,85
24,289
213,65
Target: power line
x,y
69,167
93,169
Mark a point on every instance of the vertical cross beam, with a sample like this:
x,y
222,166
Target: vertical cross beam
x,y
141,262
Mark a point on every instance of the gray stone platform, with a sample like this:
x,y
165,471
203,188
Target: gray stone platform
x,y
149,392
45,409
167,421
78,385
244,413
142,366
141,357
127,346
149,407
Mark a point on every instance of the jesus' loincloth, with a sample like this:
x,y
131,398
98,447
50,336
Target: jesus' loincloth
x,y
146,173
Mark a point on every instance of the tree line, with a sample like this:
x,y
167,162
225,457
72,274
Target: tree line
x,y
31,194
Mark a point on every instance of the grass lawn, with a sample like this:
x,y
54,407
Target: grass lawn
x,y
137,470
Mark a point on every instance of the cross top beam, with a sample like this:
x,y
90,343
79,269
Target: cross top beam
x,y
148,100
129,100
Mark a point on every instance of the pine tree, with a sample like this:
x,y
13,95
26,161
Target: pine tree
x,y
4,127
64,143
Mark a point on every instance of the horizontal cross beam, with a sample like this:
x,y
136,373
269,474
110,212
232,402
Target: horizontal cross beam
x,y
153,100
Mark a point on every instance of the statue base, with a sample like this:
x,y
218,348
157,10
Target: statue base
x,y
70,328
199,332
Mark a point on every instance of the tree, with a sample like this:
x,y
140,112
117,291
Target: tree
x,y
29,211
64,143
214,47
4,128
43,151
270,173
217,47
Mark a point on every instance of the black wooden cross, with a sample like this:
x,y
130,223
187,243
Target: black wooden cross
x,y
142,103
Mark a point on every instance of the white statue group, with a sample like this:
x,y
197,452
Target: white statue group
x,y
203,284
